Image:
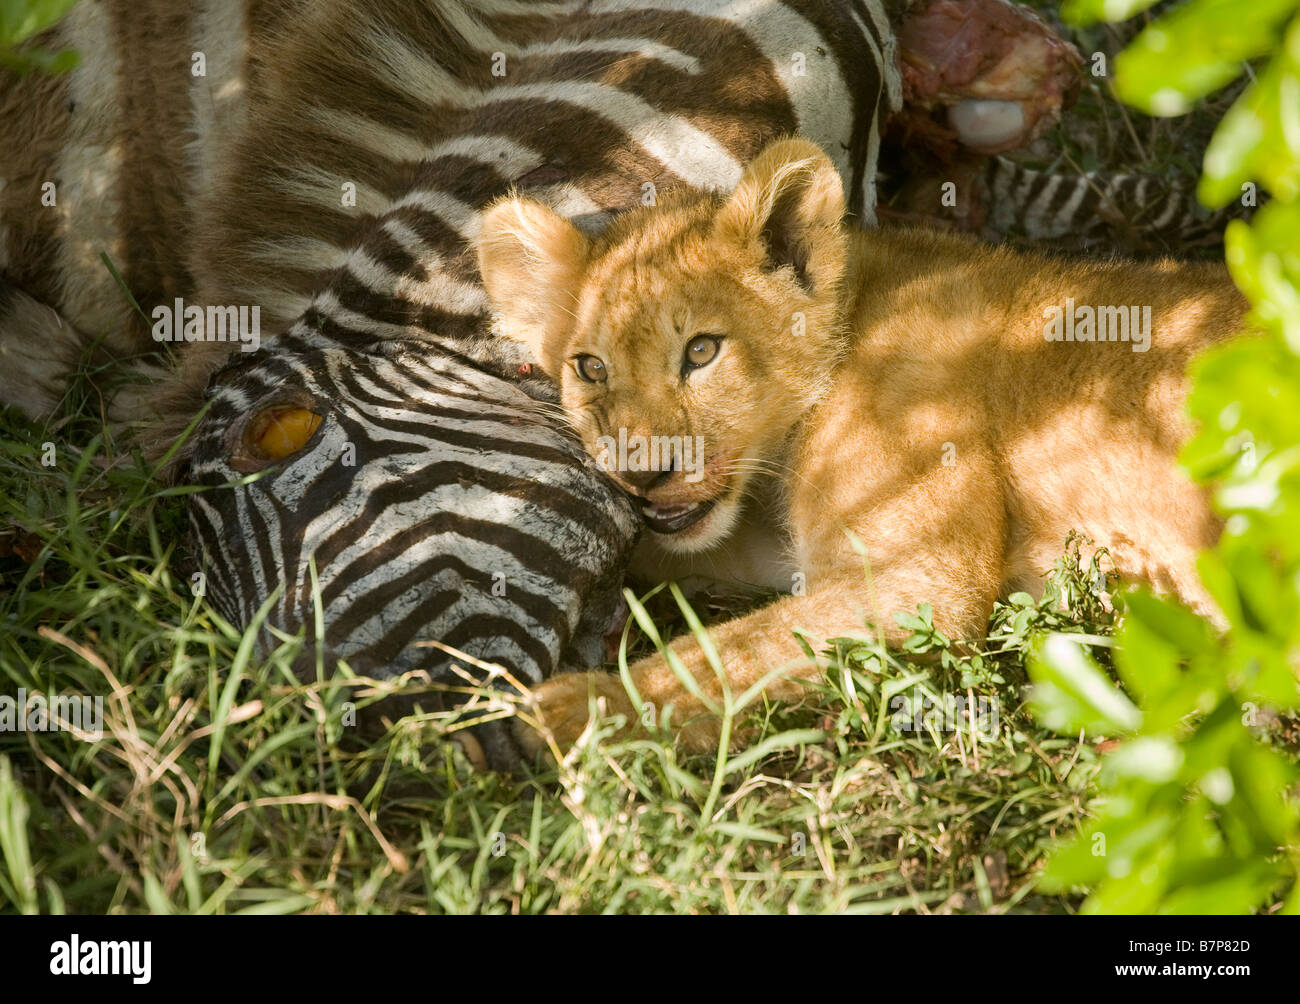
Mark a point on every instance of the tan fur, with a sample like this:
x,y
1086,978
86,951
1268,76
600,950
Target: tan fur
x,y
37,349
30,381
113,135
919,347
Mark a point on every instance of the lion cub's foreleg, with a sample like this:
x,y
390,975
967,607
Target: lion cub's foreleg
x,y
748,649
931,534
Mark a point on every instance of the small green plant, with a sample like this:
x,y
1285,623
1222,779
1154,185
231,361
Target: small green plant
x,y
1197,813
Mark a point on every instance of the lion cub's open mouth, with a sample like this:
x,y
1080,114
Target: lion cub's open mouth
x,y
677,517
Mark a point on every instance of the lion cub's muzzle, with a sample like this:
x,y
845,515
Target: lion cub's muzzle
x,y
664,499
675,517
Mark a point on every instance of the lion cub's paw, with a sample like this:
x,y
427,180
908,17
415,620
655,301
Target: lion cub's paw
x,y
562,707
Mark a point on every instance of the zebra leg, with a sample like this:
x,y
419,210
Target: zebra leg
x,y
1136,213
999,199
39,351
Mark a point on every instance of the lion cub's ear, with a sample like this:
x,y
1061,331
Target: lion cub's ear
x,y
790,201
532,259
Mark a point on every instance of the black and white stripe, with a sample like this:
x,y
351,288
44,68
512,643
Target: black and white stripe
x,y
470,516
460,482
1138,213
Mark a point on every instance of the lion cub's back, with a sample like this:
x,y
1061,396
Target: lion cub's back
x,y
1101,350
1089,407
1055,390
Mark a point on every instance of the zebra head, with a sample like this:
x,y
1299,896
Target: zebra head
x,y
382,436
407,496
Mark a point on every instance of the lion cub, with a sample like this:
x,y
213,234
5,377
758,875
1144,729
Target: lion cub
x,y
948,409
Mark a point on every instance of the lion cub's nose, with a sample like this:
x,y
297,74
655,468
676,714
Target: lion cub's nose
x,y
643,482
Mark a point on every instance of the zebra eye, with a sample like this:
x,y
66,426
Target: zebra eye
x,y
275,427
701,351
590,369
279,432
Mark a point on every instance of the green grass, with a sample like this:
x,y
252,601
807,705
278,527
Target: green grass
x,y
222,784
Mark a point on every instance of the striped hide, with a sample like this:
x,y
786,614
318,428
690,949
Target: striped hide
x,y
329,171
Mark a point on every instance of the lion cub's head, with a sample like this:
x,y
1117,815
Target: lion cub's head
x,y
691,337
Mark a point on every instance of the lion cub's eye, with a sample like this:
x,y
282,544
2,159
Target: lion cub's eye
x,y
590,369
701,351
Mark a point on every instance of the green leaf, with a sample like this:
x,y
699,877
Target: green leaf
x,y
1265,262
21,19
1086,12
1237,893
26,60
1154,759
1072,692
1260,775
782,740
1245,146
14,846
1156,637
1195,50
1110,848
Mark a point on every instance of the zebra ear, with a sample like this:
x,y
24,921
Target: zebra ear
x,y
790,201
532,259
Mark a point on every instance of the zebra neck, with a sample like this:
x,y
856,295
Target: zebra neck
x,y
466,339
